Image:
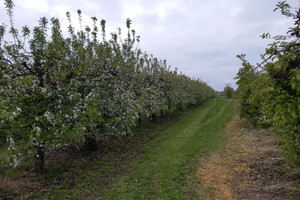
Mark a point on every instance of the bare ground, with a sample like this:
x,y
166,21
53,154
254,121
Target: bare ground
x,y
250,167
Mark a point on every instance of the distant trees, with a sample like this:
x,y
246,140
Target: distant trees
x,y
228,91
270,92
58,90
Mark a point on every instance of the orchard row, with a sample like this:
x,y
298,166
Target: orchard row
x,y
57,90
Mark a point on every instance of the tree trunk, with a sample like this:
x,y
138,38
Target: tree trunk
x,y
91,143
140,119
40,160
162,114
153,117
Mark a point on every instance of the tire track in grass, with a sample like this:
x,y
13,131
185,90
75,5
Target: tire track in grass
x,y
162,172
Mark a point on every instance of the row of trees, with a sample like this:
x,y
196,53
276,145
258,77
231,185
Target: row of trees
x,y
56,89
270,92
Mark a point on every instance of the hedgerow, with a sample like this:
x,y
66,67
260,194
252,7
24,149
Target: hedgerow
x,y
269,93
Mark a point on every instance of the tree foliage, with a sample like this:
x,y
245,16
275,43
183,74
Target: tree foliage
x,y
58,90
270,92
228,91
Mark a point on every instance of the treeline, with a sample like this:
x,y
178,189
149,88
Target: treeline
x,y
59,90
270,92
228,92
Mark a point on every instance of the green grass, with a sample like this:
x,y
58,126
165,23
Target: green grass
x,y
4,152
4,156
157,162
84,179
163,169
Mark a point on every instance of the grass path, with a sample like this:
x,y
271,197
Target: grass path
x,y
162,171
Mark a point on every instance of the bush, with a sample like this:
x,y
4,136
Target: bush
x,y
269,93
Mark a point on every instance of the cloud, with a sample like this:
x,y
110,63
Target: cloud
x,y
37,6
201,38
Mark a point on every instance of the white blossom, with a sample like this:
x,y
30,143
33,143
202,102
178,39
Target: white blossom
x,y
38,129
15,161
7,77
49,116
11,142
44,90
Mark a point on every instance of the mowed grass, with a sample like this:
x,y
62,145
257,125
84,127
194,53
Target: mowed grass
x,y
166,162
156,163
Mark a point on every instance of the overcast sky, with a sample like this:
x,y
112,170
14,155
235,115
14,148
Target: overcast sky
x,y
199,37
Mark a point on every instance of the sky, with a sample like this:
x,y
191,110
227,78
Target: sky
x,y
199,37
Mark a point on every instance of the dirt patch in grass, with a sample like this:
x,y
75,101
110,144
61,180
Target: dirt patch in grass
x,y
251,166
